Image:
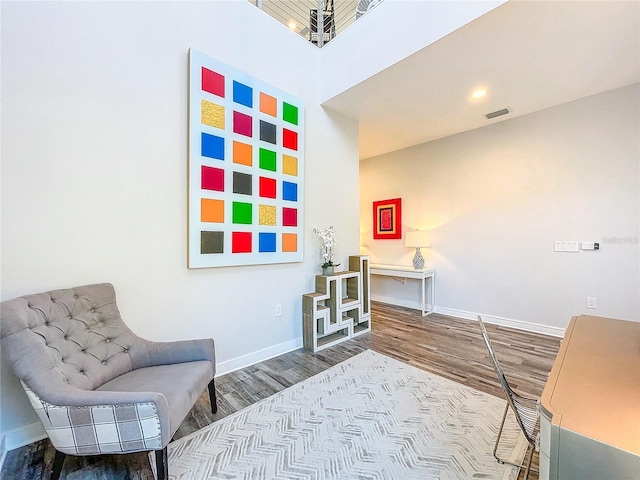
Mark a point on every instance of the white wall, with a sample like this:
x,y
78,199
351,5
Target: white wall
x,y
94,171
393,30
496,199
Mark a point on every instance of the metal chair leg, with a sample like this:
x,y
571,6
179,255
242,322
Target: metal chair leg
x,y
528,470
529,451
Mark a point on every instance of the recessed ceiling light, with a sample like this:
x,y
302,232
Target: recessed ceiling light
x,y
292,25
479,93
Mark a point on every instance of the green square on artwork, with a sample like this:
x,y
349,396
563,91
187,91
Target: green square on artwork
x,y
267,159
289,113
242,213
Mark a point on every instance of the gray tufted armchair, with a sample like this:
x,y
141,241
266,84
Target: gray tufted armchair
x,y
97,387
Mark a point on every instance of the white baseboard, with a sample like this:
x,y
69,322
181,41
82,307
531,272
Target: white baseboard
x,y
21,436
502,321
243,361
399,302
452,312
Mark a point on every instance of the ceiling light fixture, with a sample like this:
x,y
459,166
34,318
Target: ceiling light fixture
x,y
479,93
292,25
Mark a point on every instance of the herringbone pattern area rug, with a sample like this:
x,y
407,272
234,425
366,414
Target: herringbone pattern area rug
x,y
370,417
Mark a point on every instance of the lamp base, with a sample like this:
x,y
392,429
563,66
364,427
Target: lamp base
x,y
418,260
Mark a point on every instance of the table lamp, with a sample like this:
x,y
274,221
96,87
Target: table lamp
x,y
417,239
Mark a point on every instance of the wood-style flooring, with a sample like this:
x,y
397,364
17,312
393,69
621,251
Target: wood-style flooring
x,y
447,346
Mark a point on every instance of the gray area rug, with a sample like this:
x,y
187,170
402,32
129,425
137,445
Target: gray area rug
x,y
370,417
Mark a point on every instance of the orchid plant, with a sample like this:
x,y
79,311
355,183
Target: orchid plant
x,y
328,237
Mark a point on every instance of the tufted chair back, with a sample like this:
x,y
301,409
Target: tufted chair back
x,y
74,336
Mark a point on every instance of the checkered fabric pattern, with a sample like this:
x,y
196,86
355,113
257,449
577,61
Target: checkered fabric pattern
x,y
99,429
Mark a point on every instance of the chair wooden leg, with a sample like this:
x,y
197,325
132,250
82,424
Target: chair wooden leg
x,y
212,396
58,461
162,464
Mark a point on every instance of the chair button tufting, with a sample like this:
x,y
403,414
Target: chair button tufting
x,y
75,296
93,310
104,362
108,340
125,350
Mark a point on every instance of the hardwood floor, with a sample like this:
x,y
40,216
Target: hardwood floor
x,y
447,346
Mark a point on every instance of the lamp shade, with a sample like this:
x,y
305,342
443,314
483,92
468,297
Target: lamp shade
x,y
417,238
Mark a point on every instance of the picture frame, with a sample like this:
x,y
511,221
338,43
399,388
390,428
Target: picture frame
x,y
246,168
387,219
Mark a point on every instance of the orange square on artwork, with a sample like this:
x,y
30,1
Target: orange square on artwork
x,y
289,242
268,104
211,210
242,153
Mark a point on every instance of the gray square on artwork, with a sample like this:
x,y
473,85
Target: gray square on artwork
x,y
211,242
267,132
242,183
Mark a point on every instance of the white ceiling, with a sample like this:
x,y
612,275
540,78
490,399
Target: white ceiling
x,y
530,55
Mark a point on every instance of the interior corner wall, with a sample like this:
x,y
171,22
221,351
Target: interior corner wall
x,y
497,198
94,171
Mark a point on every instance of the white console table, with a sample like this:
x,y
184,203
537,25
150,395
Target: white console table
x,y
404,272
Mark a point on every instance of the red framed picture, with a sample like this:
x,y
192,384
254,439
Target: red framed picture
x,y
387,219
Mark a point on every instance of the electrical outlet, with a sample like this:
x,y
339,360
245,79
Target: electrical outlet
x,y
278,310
591,302
565,246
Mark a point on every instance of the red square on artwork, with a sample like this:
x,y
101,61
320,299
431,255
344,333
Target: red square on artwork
x,y
289,139
290,217
212,82
267,187
242,124
212,179
241,242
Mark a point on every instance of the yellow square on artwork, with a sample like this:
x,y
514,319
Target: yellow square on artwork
x,y
289,165
212,114
289,242
267,215
211,210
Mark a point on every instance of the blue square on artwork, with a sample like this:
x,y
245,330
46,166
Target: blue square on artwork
x,y
212,146
290,191
242,94
267,242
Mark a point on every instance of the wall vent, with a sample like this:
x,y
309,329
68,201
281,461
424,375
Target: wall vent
x,y
497,113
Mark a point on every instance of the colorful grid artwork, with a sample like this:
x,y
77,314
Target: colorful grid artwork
x,y
246,168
